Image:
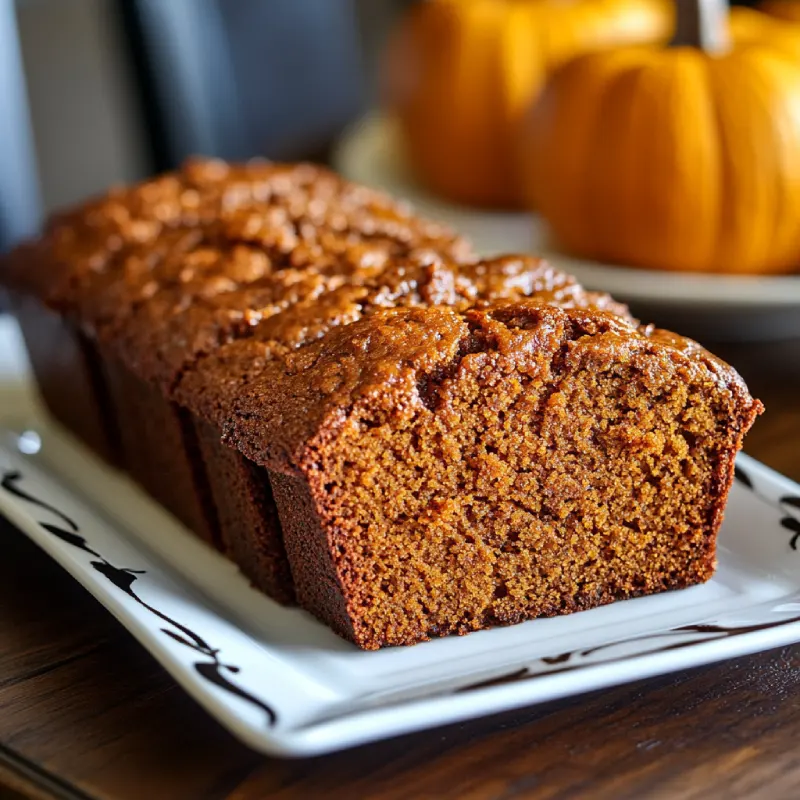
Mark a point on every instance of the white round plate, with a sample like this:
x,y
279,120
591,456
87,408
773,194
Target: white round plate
x,y
720,307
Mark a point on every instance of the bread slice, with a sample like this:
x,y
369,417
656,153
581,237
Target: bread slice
x,y
439,472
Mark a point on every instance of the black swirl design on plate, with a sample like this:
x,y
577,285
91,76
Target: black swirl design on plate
x,y
211,667
574,660
9,483
793,525
788,505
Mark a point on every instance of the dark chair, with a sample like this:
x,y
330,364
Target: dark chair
x,y
242,78
20,209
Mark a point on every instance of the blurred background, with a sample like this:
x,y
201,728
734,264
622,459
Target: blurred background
x,y
403,95
114,90
118,89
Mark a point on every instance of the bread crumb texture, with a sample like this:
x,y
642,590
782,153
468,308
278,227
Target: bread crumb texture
x,y
476,468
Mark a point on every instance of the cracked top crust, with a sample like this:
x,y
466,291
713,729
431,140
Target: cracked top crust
x,y
166,270
395,362
420,280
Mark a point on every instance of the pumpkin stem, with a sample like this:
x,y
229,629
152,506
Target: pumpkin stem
x,y
702,24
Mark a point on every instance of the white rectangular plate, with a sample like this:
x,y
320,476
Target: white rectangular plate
x,y
284,684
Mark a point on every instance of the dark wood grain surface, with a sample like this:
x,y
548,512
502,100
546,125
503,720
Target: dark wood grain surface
x,y
86,712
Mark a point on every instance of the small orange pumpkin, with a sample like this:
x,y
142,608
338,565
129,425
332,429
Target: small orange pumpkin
x,y
676,159
462,72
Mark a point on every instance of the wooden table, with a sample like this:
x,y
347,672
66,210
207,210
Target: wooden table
x,y
86,712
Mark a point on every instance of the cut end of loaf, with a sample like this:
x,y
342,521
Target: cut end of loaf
x,y
561,461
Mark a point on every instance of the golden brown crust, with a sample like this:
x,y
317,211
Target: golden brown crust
x,y
422,279
199,255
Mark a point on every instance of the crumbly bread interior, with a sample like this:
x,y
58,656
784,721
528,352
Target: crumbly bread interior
x,y
522,461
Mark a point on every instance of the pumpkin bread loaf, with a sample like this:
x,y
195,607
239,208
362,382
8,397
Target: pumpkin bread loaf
x,y
404,439
210,388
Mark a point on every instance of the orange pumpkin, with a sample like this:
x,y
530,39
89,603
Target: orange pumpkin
x,y
462,72
678,158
